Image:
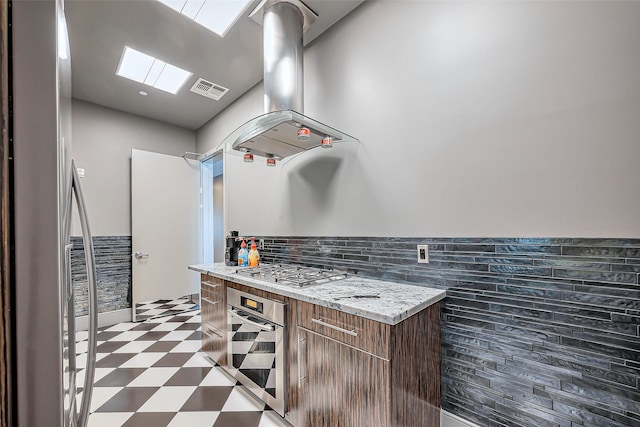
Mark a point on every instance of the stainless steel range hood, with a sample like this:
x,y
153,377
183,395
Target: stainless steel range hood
x,y
275,134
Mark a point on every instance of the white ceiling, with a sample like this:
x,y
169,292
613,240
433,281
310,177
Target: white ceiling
x,y
99,29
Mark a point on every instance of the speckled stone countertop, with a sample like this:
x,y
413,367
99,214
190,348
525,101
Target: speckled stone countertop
x,y
386,302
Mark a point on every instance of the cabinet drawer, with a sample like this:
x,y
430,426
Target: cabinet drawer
x,y
214,343
214,286
364,334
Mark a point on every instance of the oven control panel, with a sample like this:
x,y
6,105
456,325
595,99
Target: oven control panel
x,y
252,304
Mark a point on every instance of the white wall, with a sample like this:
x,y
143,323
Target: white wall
x,y
475,119
102,143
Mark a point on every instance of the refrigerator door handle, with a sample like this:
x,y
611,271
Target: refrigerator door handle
x,y
71,411
67,274
83,413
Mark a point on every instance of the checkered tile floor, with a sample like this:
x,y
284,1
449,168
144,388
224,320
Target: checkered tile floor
x,y
164,307
154,374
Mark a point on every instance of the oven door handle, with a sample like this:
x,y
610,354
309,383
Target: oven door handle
x,y
250,322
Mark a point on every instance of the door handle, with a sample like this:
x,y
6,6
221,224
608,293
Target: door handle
x,y
141,255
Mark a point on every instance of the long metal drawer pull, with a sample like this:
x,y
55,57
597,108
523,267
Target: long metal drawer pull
x,y
336,328
141,255
209,331
300,377
210,301
256,324
211,285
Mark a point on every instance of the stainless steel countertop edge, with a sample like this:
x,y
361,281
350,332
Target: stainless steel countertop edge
x,y
420,297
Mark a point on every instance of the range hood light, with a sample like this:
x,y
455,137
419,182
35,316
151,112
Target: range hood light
x,y
327,142
303,134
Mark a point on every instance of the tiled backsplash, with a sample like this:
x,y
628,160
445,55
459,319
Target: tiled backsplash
x,y
113,271
535,332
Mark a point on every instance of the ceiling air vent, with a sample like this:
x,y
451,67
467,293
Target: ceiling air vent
x,y
208,89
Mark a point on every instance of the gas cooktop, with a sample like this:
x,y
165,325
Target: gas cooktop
x,y
292,275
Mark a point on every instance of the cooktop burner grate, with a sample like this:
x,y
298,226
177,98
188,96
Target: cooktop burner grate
x,y
292,275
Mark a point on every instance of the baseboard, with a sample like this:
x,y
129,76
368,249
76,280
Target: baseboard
x,y
448,419
105,319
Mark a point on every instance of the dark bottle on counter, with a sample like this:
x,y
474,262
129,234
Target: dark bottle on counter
x,y
231,249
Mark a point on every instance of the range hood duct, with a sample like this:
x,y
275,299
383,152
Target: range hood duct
x,y
275,134
283,58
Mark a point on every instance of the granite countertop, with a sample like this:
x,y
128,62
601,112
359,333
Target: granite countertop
x,y
386,302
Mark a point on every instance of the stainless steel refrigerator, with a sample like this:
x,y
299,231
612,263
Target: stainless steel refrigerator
x,y
44,186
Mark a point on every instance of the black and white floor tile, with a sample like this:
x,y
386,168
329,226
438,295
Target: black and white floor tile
x,y
159,308
154,374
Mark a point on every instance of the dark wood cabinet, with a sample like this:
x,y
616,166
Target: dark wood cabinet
x,y
353,371
344,370
213,298
341,385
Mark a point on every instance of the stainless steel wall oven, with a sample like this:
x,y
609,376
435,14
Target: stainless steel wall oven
x,y
256,346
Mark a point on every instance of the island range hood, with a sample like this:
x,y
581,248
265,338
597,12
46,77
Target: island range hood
x,y
283,130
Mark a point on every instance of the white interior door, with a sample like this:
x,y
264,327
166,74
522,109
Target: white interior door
x,y
165,199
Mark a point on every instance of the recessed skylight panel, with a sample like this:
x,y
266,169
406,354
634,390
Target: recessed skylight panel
x,y
176,5
215,15
192,8
134,65
146,69
219,16
171,79
154,72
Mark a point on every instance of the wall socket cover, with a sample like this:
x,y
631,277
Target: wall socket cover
x,y
423,254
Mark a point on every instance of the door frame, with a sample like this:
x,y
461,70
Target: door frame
x,y
217,244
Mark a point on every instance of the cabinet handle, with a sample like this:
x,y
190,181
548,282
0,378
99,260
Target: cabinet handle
x,y
210,301
335,328
300,377
211,331
211,285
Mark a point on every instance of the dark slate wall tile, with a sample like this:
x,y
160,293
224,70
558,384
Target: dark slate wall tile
x,y
604,393
577,264
602,251
521,270
535,331
529,292
529,249
602,348
469,247
631,268
599,276
607,242
113,271
531,415
621,327
603,301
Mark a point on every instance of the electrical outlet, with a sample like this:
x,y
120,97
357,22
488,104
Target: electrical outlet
x,y
423,254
